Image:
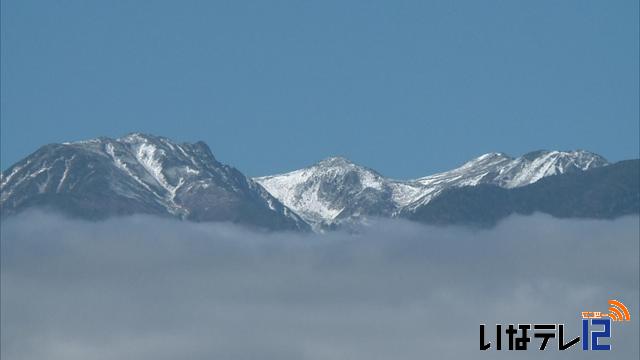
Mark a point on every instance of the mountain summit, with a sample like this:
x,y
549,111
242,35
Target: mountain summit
x,y
140,173
331,189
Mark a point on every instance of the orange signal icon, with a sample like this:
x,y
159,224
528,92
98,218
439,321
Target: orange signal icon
x,y
618,311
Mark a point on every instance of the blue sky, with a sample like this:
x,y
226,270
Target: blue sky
x,y
405,87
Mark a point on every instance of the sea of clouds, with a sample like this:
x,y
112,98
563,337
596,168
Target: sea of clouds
x,y
148,288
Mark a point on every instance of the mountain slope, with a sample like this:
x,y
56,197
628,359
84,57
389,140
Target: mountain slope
x,y
140,174
507,172
601,193
336,190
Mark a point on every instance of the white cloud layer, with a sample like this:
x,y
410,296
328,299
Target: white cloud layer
x,y
147,288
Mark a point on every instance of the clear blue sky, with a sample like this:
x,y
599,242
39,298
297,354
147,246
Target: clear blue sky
x,y
405,87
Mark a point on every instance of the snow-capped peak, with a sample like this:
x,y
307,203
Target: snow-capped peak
x,y
140,172
321,192
535,165
335,161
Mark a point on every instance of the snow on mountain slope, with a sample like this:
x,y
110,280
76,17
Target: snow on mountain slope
x,y
504,171
533,166
140,173
322,192
335,189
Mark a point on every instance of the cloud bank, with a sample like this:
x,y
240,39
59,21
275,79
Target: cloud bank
x,y
148,288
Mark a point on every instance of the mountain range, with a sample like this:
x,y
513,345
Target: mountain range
x,y
146,174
